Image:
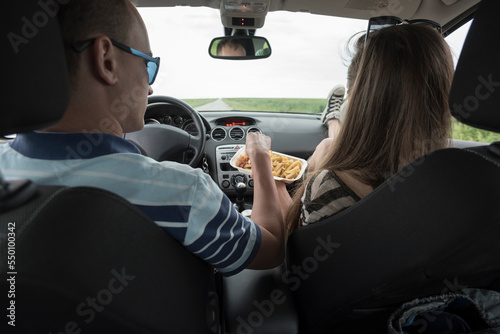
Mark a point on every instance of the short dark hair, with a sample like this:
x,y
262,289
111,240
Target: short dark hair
x,y
231,43
79,19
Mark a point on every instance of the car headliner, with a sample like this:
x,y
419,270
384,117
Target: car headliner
x,y
448,13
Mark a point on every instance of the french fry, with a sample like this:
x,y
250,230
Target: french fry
x,y
282,167
243,161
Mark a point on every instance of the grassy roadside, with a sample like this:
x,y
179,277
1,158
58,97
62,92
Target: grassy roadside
x,y
279,105
465,132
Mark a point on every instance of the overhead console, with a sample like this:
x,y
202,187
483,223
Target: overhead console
x,y
240,14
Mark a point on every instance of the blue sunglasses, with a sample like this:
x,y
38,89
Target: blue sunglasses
x,y
152,64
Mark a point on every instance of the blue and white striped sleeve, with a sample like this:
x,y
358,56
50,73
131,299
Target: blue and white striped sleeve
x,y
217,233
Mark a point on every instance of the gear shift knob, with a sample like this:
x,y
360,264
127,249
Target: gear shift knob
x,y
240,189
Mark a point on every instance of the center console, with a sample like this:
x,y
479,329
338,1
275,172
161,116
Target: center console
x,y
227,176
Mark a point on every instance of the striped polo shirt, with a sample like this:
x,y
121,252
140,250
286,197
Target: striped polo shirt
x,y
184,201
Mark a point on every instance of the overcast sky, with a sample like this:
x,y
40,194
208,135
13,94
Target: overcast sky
x,y
306,58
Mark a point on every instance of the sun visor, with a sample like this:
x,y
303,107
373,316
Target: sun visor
x,y
475,93
35,90
356,8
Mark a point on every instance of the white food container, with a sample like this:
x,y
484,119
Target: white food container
x,y
241,152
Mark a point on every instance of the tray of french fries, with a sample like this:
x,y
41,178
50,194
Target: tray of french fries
x,y
285,167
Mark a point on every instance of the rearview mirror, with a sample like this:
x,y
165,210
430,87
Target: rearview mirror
x,y
239,47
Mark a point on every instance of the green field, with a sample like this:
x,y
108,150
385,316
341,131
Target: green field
x,y
459,130
465,132
281,105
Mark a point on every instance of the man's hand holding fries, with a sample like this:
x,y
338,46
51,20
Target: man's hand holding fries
x,y
282,166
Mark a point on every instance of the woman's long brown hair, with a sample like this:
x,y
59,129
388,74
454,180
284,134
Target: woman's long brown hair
x,y
397,111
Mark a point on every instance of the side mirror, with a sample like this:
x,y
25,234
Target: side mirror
x,y
239,47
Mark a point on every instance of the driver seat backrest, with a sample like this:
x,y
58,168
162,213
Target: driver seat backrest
x,y
430,229
88,259
81,258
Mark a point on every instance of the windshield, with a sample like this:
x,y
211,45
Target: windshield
x,y
308,59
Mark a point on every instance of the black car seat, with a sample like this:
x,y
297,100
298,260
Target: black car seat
x,y
431,229
81,259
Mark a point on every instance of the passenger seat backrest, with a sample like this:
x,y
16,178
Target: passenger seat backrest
x,y
430,228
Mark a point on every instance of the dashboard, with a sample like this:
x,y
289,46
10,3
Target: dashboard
x,y
226,131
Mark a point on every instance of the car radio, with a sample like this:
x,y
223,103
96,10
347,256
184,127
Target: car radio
x,y
227,175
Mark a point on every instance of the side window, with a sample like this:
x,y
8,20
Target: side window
x,y
460,130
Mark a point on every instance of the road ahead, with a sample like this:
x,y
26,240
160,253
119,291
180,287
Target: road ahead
x,y
216,105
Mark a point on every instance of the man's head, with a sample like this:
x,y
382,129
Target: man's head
x,y
231,48
109,86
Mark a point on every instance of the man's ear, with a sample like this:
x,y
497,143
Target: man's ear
x,y
105,59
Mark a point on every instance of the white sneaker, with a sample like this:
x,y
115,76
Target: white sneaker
x,y
333,103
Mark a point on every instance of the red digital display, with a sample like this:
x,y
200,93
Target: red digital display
x,y
243,21
242,123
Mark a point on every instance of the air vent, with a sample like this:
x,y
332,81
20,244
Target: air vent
x,y
254,129
236,133
218,134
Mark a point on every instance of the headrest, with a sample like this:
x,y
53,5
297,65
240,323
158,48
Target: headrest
x,y
475,93
34,89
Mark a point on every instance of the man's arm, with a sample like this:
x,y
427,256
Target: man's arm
x,y
284,198
266,210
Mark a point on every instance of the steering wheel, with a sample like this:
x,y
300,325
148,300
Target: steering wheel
x,y
165,142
